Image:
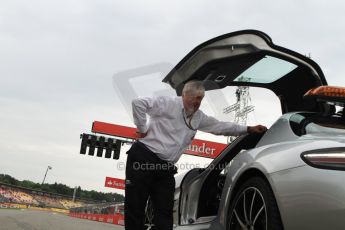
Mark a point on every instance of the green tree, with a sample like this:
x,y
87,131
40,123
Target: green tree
x,y
8,179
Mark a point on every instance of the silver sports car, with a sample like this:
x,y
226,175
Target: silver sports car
x,y
291,177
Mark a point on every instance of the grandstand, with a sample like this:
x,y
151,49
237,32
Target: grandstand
x,y
37,198
16,197
71,204
113,208
8,194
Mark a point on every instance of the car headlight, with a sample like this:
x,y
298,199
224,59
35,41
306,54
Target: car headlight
x,y
331,158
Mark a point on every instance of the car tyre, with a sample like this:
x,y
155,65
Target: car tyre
x,y
254,207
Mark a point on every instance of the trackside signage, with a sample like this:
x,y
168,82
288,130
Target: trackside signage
x,y
106,218
114,183
204,148
198,147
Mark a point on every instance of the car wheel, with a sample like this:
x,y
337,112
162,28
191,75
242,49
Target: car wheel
x,y
254,207
149,216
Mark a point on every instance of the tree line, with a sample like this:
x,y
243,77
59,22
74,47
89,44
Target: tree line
x,y
63,190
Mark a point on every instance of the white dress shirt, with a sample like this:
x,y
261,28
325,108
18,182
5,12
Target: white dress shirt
x,y
169,131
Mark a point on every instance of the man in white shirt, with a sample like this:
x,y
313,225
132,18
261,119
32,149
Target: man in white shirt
x,y
161,142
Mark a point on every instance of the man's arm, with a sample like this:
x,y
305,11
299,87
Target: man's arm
x,y
140,107
212,125
145,106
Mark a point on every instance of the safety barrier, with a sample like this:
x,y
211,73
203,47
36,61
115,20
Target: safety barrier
x,y
117,219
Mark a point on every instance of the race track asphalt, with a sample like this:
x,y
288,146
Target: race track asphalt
x,y
40,220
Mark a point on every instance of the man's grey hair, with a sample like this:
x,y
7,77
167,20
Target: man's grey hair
x,y
193,87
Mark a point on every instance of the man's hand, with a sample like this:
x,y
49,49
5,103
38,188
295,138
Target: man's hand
x,y
140,135
256,129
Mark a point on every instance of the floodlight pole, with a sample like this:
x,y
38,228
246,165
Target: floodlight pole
x,y
49,167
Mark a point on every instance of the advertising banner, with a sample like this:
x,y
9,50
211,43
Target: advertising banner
x,y
198,147
111,182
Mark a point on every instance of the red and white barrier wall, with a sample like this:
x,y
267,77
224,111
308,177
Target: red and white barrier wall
x,y
106,218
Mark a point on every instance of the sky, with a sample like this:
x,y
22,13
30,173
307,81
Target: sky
x,y
60,62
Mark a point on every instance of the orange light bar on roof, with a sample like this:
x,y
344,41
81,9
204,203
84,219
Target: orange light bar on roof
x,y
331,91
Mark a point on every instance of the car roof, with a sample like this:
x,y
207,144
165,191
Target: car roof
x,y
249,58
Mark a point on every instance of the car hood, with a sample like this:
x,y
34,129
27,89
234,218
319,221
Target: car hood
x,y
249,58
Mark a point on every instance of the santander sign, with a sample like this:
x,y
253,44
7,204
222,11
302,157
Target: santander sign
x,y
204,148
198,147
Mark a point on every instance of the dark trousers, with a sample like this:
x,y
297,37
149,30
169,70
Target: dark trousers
x,y
148,176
